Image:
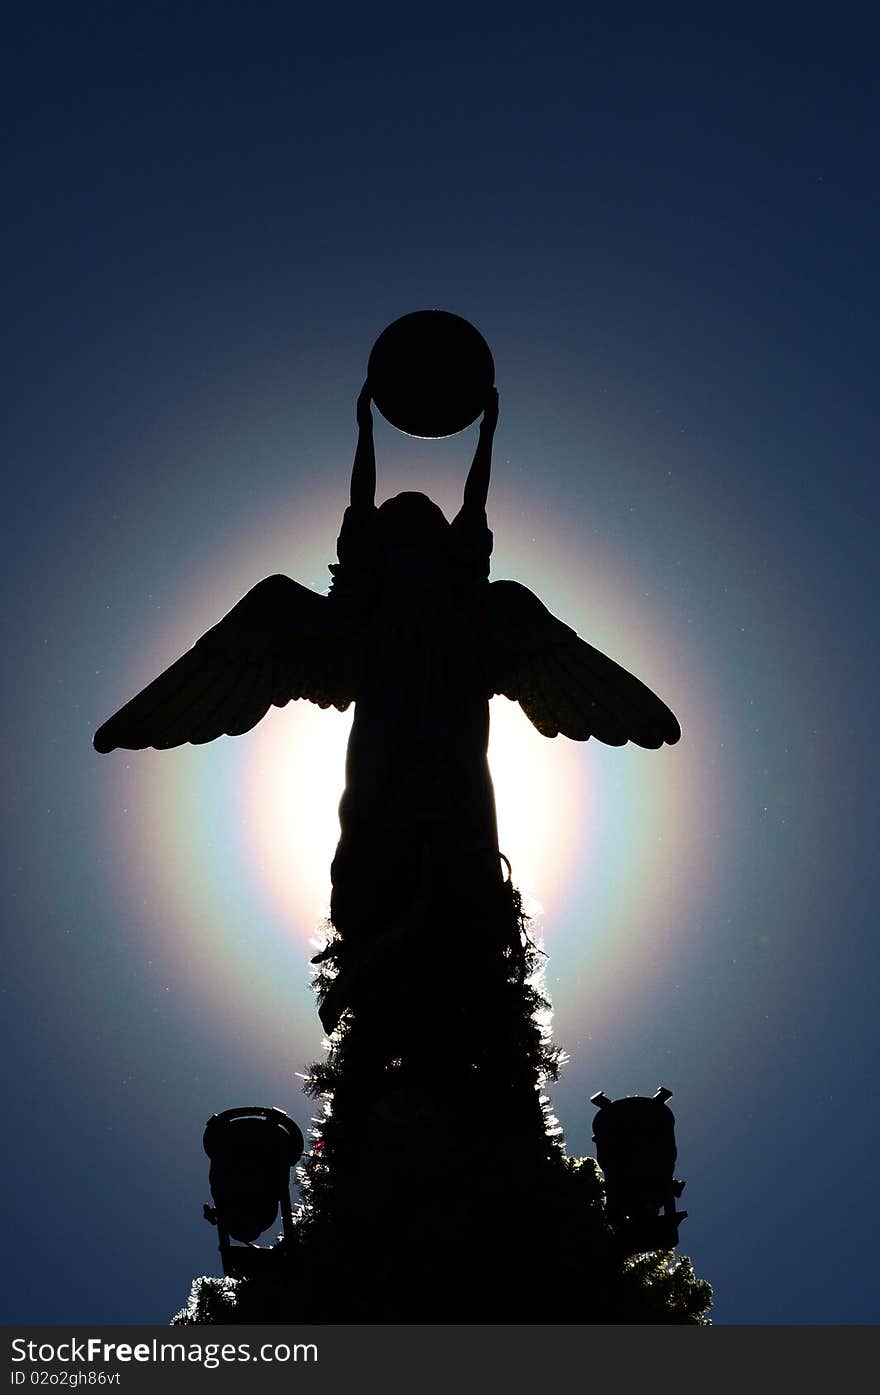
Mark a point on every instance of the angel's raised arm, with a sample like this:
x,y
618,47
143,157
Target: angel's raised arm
x,y
476,489
363,471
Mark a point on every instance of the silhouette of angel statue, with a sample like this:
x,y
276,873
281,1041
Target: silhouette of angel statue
x,y
417,637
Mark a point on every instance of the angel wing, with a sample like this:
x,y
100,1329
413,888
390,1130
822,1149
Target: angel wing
x,y
562,683
280,642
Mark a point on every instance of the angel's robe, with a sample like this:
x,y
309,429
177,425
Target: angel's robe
x,y
417,770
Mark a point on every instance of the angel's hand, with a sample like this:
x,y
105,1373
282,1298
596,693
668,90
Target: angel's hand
x,y
490,412
364,412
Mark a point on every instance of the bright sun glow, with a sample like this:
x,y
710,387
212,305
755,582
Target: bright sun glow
x,y
295,775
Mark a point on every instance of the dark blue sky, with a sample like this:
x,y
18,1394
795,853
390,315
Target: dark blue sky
x,y
665,222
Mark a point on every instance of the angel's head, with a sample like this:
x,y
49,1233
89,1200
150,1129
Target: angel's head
x,y
411,520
